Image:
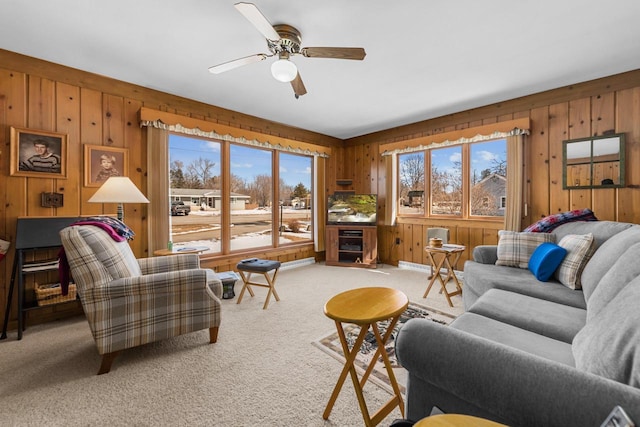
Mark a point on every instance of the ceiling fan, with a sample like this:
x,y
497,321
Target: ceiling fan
x,y
284,41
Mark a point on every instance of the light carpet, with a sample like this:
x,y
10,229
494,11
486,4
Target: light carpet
x,y
264,369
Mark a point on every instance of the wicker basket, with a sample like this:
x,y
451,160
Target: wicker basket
x,y
52,293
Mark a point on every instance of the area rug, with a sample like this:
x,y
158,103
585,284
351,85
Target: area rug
x,y
330,344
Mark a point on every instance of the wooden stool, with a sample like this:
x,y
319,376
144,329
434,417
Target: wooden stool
x,y
260,266
365,307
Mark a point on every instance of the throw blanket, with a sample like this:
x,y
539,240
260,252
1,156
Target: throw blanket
x,y
549,223
115,228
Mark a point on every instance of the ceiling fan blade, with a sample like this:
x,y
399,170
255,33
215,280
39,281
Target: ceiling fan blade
x,y
253,15
226,66
298,86
357,53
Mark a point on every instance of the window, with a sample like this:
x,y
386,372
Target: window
x,y
488,177
446,181
194,175
435,178
295,197
412,183
255,207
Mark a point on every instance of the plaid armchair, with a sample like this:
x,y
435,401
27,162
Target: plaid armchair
x,y
129,302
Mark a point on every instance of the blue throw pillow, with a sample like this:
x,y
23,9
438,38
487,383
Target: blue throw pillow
x,y
545,260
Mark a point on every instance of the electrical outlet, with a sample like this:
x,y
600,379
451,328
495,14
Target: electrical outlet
x,y
397,240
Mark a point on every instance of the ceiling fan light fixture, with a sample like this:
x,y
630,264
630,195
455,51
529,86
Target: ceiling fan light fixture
x,y
284,70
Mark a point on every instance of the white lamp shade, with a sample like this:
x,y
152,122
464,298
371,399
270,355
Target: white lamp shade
x,y
284,70
118,189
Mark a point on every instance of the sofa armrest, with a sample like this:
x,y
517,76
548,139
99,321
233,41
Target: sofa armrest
x,y
485,254
515,386
163,264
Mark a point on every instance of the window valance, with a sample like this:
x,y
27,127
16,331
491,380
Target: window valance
x,y
462,136
198,127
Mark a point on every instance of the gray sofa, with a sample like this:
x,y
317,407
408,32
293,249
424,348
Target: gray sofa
x,y
531,353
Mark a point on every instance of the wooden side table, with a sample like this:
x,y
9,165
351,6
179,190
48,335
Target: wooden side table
x,y
364,307
180,250
456,420
448,257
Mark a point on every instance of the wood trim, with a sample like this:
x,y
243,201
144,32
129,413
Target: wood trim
x,y
158,189
505,126
148,114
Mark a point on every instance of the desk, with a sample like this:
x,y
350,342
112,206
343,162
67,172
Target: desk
x,y
365,307
445,254
455,420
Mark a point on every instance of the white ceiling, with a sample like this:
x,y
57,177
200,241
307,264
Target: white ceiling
x,y
424,58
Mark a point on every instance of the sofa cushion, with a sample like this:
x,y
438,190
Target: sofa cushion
x,y
623,271
545,260
601,230
515,249
558,321
479,278
609,345
605,256
117,257
579,250
515,337
549,223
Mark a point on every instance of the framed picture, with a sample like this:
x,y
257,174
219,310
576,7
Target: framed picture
x,y
101,163
38,153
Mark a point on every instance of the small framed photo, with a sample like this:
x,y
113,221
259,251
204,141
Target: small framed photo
x,y
38,153
101,163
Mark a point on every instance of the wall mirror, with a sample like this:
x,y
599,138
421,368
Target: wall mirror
x,y
596,162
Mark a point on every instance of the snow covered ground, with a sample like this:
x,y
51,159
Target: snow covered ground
x,y
244,241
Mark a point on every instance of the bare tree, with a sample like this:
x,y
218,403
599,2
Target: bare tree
x,y
499,165
201,170
411,173
260,190
238,184
176,174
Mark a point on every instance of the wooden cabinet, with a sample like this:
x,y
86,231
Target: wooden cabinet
x,y
352,246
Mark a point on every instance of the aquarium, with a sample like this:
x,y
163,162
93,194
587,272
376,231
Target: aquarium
x,y
356,209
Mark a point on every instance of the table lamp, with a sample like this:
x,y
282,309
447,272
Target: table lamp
x,y
118,189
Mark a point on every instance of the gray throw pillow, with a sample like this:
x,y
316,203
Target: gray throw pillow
x,y
609,344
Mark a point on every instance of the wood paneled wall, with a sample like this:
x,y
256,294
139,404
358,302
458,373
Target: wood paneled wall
x,y
97,110
576,111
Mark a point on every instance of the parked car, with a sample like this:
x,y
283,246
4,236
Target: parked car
x,y
179,208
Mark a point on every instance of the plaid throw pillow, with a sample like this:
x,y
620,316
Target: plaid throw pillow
x,y
515,249
579,248
549,223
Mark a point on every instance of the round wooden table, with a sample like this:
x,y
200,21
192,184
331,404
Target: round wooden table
x,y
365,307
455,420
